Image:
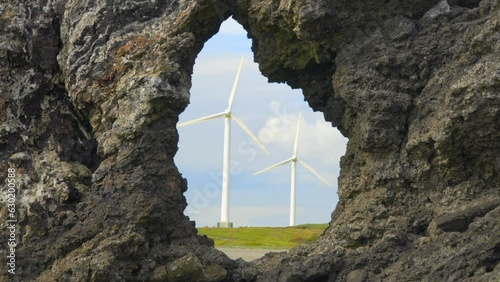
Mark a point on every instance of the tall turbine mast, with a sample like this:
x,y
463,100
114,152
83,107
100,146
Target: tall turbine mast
x,y
228,115
294,159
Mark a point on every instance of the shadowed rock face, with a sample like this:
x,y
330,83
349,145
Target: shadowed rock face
x,y
92,90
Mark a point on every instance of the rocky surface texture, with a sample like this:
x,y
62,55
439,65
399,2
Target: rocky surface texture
x,y
92,90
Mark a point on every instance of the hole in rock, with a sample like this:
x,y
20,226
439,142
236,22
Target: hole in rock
x,y
258,205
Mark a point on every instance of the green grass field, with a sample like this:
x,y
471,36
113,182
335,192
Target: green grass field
x,y
264,237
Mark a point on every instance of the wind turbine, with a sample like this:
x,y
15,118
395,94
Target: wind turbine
x,y
294,159
228,115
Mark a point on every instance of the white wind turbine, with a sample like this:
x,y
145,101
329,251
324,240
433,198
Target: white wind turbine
x,y
294,159
228,115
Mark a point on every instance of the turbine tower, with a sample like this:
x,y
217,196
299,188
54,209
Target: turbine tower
x,y
294,159
228,115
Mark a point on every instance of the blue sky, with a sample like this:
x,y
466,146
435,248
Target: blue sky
x,y
270,111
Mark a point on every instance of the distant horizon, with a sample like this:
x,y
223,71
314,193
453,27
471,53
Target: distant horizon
x,y
270,111
298,225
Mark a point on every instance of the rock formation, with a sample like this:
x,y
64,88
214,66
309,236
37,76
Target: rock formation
x,y
92,91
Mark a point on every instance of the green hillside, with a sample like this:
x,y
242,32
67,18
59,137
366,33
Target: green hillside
x,y
264,237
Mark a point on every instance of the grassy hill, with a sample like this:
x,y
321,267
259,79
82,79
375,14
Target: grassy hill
x,y
264,237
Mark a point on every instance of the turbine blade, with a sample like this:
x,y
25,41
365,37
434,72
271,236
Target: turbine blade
x,y
273,166
235,85
296,144
314,172
202,119
249,132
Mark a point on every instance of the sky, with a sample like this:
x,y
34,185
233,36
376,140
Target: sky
x,y
270,110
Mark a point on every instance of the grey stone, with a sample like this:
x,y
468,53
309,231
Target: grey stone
x,y
215,273
459,221
187,268
357,275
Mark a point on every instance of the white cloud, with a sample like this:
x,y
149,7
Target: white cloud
x,y
218,64
320,145
231,27
318,140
